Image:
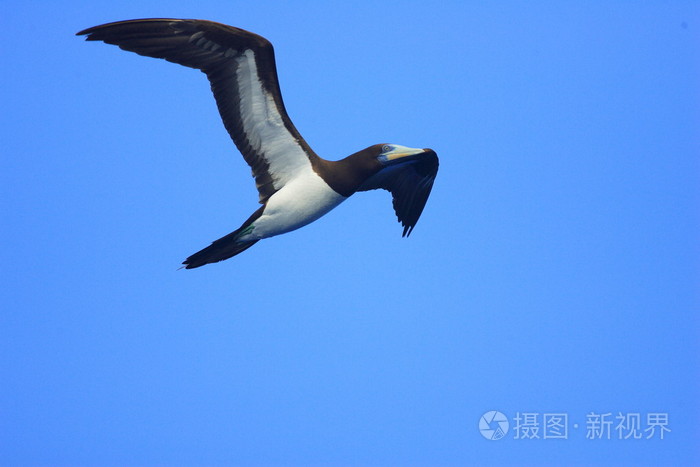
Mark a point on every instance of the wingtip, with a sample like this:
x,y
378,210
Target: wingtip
x,y
105,26
187,264
87,32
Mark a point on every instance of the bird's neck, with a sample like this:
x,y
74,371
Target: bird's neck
x,y
346,175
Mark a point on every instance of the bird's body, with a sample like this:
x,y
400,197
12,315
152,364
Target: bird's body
x,y
295,186
300,202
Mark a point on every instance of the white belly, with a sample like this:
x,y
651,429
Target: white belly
x,y
300,202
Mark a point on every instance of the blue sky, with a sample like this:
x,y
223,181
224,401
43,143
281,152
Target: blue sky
x,y
555,268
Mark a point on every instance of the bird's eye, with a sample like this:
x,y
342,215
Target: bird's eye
x,y
386,148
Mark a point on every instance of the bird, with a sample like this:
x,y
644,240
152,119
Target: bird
x,y
295,186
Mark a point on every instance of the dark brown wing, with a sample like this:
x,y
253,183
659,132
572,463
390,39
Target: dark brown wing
x,y
410,185
241,68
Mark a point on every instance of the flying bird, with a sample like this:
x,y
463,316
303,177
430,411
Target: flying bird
x,y
295,185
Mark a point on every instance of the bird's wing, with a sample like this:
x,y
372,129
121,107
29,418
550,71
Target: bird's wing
x,y
241,69
410,186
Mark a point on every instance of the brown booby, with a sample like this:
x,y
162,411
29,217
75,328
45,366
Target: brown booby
x,y
295,186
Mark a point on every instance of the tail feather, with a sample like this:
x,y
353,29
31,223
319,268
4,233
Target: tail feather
x,y
219,250
225,247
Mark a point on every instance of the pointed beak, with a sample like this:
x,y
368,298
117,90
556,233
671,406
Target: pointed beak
x,y
401,154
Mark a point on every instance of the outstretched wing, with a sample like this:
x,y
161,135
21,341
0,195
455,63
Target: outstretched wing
x,y
410,185
241,68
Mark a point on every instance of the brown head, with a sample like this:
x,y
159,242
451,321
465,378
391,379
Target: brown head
x,y
369,168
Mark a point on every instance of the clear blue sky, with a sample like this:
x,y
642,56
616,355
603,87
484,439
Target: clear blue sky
x,y
556,268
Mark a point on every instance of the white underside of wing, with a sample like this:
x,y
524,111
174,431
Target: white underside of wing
x,y
264,126
302,196
300,202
